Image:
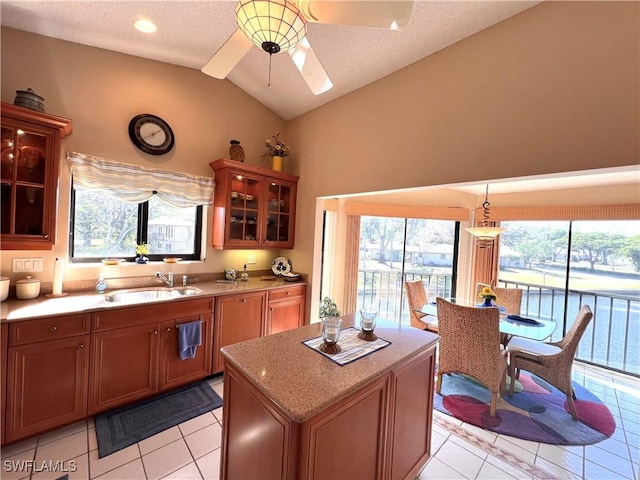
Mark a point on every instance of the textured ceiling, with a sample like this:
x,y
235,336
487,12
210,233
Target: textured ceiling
x,y
190,32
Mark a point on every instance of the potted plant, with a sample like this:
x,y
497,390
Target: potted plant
x,y
328,309
276,150
142,251
488,296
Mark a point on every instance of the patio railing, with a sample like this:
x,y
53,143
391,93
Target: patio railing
x,y
611,340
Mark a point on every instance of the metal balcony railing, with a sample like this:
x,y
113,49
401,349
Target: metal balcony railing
x,y
611,340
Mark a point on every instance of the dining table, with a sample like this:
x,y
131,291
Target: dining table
x,y
510,325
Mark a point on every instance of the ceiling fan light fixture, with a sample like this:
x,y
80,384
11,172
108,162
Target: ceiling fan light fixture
x,y
273,25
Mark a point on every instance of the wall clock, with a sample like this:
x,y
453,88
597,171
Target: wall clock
x,y
151,134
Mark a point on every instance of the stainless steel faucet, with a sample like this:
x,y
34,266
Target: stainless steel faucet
x,y
168,279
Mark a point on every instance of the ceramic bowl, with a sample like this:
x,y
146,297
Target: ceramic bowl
x,y
4,288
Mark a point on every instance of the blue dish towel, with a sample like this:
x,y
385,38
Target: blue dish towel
x,y
189,337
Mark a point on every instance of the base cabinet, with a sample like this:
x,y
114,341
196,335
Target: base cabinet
x,y
57,369
4,328
385,426
238,317
134,362
286,309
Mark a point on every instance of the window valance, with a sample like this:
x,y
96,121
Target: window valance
x,y
135,184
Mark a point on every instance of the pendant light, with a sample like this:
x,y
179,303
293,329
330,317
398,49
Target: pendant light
x,y
273,25
485,233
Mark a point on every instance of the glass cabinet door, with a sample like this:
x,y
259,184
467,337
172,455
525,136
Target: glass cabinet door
x,y
24,164
245,198
278,212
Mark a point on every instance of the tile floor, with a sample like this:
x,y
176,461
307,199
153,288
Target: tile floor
x,y
191,450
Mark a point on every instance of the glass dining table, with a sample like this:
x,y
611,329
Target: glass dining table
x,y
510,325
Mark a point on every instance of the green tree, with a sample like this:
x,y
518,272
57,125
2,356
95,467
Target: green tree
x,y
630,248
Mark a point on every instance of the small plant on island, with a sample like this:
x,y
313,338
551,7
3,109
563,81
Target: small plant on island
x,y
328,308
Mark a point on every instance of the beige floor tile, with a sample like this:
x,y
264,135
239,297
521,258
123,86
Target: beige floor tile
x,y
509,468
64,448
556,470
92,438
488,435
218,414
516,450
167,459
218,388
561,457
197,423
76,469
18,466
451,454
209,465
18,447
59,433
158,440
619,465
476,450
437,441
91,422
188,472
437,429
99,466
491,472
526,444
129,471
204,440
436,469
593,471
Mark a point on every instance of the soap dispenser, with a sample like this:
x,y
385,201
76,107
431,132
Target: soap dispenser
x,y
101,285
244,276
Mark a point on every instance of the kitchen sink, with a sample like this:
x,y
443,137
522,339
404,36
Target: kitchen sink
x,y
150,294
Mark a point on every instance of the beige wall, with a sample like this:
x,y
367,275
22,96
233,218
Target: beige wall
x,y
553,89
101,91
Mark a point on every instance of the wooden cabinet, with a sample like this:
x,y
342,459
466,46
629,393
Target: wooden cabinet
x,y
286,309
253,207
4,345
132,357
29,159
386,424
47,357
238,317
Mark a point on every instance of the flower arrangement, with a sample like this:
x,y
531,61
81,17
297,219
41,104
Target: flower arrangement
x,y
487,294
328,308
142,249
276,147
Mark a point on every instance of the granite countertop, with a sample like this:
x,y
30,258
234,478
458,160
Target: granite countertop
x,y
302,381
78,302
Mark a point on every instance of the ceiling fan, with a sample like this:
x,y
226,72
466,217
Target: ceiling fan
x,y
281,25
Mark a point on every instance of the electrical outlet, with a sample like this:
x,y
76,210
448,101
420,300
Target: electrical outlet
x,y
27,265
251,258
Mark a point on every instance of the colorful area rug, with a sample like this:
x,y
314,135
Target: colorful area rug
x,y
536,411
124,426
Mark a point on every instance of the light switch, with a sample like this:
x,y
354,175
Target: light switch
x,y
27,265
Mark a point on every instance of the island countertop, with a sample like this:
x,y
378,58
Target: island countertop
x,y
302,381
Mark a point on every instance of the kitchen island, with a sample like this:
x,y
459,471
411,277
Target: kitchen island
x,y
291,412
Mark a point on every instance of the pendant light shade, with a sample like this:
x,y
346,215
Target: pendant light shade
x,y
485,233
273,25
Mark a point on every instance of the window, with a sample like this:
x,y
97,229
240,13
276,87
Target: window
x,y
102,226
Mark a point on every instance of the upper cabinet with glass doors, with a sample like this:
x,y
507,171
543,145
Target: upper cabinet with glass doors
x,y
30,158
253,207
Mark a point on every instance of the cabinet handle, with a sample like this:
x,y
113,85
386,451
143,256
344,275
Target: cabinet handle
x,y
53,329
45,236
287,292
81,346
168,329
244,300
155,332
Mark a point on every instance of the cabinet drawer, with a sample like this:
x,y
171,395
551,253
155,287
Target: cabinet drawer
x,y
280,293
130,316
31,331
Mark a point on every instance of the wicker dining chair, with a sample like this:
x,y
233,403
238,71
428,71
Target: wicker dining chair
x,y
470,344
510,298
550,361
416,298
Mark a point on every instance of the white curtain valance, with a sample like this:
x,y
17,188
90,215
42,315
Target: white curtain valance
x,y
135,184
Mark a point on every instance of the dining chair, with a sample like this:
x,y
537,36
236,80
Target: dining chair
x,y
416,298
510,298
470,344
551,361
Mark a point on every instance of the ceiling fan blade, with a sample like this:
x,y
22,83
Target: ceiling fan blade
x,y
228,55
310,67
389,14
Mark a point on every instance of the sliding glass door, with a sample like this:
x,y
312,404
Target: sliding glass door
x,y
563,265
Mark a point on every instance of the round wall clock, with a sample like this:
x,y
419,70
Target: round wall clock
x,y
151,134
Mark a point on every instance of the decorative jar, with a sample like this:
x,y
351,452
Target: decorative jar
x,y
368,324
331,334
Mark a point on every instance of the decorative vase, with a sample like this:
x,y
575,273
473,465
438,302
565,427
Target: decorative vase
x,y
330,335
141,259
276,163
487,302
236,152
